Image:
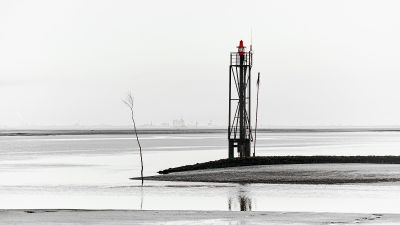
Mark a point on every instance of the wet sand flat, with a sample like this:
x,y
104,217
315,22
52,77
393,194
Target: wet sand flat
x,y
291,174
119,217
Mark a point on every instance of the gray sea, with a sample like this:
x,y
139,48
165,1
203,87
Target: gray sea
x,y
93,171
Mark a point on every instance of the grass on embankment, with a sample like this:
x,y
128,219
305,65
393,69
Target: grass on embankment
x,y
279,160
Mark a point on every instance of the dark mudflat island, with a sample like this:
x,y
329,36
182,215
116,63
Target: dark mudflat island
x,y
280,160
289,170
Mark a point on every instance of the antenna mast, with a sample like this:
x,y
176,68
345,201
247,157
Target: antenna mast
x,y
255,127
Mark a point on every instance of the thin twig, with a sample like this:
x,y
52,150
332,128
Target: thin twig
x,y
129,103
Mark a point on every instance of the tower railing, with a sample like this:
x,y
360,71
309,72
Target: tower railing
x,y
235,59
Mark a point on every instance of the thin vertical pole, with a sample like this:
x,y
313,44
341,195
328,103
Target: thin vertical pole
x,y
255,128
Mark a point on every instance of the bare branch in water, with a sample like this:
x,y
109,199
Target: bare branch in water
x,y
129,102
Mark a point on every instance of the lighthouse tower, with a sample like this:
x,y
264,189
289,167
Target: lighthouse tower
x,y
239,127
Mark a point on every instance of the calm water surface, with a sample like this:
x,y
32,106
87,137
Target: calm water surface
x,y
92,171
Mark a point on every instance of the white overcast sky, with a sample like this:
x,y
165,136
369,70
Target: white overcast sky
x,y
323,63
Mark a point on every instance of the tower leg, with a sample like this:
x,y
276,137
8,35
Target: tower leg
x,y
231,152
247,148
240,149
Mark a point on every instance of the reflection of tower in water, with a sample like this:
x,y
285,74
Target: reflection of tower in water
x,y
240,200
245,203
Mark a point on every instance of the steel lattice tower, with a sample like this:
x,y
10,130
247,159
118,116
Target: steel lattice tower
x,y
239,128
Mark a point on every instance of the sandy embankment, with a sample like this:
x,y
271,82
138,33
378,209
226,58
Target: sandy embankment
x,y
121,217
292,173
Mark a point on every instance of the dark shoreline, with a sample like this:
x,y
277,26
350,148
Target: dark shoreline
x,y
283,160
40,132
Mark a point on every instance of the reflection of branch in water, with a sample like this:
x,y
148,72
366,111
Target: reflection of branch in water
x,y
250,205
141,198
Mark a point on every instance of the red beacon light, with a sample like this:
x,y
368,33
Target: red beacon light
x,y
241,48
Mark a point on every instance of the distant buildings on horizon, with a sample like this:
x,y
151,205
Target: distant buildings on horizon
x,y
181,124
